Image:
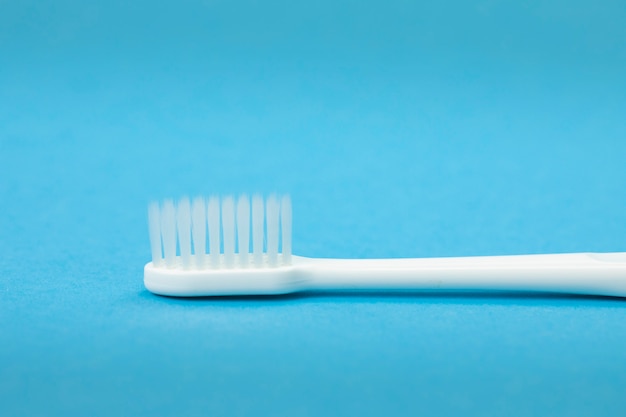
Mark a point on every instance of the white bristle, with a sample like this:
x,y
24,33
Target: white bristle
x,y
243,229
154,228
285,224
272,210
213,218
257,229
242,233
198,230
168,233
183,226
228,231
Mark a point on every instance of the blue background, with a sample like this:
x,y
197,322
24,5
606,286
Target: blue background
x,y
400,128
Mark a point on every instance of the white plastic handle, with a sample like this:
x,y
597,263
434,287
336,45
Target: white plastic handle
x,y
580,273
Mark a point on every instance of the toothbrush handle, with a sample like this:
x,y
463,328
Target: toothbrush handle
x,y
578,273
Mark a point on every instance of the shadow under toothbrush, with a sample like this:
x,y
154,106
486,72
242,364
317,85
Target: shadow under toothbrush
x,y
455,297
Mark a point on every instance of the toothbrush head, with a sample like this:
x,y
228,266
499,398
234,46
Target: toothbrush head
x,y
220,246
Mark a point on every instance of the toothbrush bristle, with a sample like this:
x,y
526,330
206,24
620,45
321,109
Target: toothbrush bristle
x,y
183,227
228,231
154,227
257,229
243,229
198,231
213,219
272,214
168,232
241,233
285,224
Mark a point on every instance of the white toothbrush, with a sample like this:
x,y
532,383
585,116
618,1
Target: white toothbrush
x,y
249,253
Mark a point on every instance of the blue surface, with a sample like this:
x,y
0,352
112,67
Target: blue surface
x,y
400,129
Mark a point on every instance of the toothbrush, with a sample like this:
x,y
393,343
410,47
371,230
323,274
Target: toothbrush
x,y
249,253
